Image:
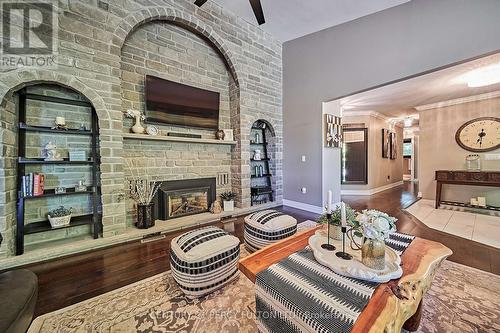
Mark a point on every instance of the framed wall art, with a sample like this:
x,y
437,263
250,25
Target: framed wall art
x,y
385,143
394,145
333,131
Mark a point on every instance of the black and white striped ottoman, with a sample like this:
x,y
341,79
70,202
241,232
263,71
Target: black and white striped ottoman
x,y
267,227
204,260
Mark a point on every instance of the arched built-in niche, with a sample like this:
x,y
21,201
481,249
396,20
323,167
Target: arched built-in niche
x,y
263,162
27,116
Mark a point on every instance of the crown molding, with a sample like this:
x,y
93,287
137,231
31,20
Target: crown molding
x,y
365,113
456,101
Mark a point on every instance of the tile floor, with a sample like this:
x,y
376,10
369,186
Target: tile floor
x,y
477,227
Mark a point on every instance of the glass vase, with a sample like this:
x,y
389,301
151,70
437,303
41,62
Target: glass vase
x,y
373,253
145,216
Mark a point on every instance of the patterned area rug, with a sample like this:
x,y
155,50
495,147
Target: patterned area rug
x,y
461,299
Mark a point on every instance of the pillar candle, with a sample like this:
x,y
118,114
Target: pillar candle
x,y
329,202
343,214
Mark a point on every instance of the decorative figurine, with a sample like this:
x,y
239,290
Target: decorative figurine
x,y
49,152
216,208
138,116
220,134
257,155
60,123
81,187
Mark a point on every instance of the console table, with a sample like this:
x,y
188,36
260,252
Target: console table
x,y
394,304
461,177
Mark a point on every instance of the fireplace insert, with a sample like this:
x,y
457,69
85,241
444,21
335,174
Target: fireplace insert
x,y
184,197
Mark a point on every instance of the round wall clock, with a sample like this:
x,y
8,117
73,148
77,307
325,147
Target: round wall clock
x,y
479,135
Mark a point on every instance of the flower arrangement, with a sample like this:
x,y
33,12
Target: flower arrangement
x,y
336,216
373,224
134,114
138,116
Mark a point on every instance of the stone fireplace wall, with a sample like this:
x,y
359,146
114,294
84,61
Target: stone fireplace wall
x,y
171,52
95,39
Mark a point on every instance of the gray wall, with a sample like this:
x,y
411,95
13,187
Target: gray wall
x,y
401,41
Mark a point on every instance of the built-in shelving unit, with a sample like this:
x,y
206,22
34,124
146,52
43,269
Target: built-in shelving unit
x,y
93,218
131,136
260,191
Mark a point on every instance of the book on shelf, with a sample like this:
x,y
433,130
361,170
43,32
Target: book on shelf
x,y
33,184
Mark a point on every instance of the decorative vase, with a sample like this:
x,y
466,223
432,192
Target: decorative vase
x,y
145,216
229,206
373,253
137,128
335,232
220,135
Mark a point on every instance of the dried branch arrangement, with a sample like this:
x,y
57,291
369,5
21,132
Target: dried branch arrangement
x,y
141,190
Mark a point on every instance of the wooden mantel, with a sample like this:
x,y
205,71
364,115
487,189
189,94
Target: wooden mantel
x,y
131,136
394,304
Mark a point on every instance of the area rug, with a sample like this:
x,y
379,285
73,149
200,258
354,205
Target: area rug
x,y
461,299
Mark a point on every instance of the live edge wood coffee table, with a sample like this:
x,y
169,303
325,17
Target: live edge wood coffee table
x,y
394,304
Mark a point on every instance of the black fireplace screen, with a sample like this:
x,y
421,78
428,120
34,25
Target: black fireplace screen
x,y
184,197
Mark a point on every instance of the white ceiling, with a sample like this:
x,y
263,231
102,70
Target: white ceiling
x,y
400,99
290,19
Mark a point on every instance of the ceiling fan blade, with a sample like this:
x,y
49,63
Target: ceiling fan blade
x,y
257,10
200,3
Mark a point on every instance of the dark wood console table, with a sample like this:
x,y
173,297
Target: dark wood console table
x,y
461,177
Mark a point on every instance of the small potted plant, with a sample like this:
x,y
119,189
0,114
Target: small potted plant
x,y
228,200
335,220
60,217
375,227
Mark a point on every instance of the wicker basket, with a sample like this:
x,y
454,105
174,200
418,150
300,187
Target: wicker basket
x,y
61,221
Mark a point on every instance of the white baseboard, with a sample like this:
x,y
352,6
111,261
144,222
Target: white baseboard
x,y
371,191
303,206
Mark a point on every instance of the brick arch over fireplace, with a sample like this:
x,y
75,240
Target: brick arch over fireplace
x,y
187,21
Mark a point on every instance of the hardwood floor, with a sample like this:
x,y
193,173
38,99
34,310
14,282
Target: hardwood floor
x,y
76,278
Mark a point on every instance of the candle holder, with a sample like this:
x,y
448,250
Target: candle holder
x,y
342,254
327,246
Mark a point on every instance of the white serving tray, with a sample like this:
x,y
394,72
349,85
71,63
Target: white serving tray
x,y
354,268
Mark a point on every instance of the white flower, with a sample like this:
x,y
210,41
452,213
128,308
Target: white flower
x,y
375,224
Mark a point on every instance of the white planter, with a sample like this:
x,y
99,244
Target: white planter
x,y
228,206
57,222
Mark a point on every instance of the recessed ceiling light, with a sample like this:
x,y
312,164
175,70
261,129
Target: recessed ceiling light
x,y
483,76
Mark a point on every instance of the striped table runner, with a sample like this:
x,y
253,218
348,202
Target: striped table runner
x,y
300,295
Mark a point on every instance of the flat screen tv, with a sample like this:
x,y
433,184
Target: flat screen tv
x,y
174,103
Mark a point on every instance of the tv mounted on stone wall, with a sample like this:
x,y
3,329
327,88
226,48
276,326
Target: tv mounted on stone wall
x,y
173,103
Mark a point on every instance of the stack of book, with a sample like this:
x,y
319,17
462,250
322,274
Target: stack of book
x,y
33,185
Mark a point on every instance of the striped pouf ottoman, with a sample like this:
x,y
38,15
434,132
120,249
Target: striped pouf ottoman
x,y
267,227
204,260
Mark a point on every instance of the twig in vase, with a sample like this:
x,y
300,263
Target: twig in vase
x,y
142,190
